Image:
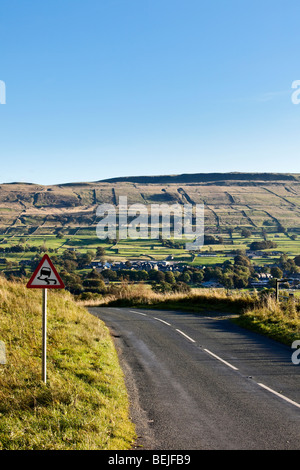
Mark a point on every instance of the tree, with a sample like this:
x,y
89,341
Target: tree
x,y
155,275
142,275
169,277
181,287
110,274
73,282
263,245
241,260
185,277
297,260
209,273
100,251
264,233
162,287
240,281
69,265
84,259
94,274
246,233
281,229
198,277
22,271
159,277
227,266
276,272
227,281
94,285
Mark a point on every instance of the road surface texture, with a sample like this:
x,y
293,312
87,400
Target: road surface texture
x,y
201,382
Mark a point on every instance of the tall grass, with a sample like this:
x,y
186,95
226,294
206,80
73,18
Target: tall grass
x,y
279,321
261,313
84,404
141,295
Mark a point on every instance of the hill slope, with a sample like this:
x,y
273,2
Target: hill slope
x,y
255,200
206,177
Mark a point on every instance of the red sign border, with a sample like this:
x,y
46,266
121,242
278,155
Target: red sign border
x,y
50,286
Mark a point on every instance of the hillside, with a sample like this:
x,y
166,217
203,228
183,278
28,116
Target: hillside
x,y
254,200
206,178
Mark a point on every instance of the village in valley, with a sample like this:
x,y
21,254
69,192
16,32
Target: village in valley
x,y
95,267
251,235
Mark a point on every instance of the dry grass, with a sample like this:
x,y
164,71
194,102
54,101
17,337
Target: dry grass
x,y
279,321
141,295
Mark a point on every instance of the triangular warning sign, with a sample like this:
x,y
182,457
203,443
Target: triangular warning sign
x,y
45,276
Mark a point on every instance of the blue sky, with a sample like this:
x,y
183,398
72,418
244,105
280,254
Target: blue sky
x,y
104,88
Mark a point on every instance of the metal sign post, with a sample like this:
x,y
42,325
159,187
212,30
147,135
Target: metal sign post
x,y
45,277
44,355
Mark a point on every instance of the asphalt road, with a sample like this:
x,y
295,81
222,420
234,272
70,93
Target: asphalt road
x,y
200,382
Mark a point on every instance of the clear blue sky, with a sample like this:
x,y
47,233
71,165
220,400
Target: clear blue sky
x,y
104,88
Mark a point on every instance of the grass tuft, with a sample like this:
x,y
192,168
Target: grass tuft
x,y
279,321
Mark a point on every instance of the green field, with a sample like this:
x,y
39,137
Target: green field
x,y
85,240
60,217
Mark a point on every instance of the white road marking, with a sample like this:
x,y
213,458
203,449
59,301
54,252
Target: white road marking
x,y
163,321
220,359
139,313
279,395
181,332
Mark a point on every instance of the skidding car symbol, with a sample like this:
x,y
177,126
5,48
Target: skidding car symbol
x,y
45,273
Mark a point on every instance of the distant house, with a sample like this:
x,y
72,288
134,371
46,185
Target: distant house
x,y
265,276
144,265
211,283
255,254
262,281
96,264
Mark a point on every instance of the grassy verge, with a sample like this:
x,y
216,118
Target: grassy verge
x,y
280,322
84,405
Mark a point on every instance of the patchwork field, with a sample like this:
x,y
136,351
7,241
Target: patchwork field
x,y
64,216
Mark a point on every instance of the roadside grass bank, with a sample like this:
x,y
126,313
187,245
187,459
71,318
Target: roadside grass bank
x,y
257,312
84,405
278,321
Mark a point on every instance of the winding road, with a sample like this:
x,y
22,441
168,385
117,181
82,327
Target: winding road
x,y
200,382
